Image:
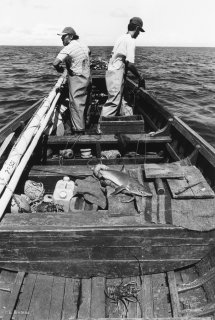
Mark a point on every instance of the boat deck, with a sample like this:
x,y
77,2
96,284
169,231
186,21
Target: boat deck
x,y
164,295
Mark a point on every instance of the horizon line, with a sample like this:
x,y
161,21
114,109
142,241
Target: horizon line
x,y
145,46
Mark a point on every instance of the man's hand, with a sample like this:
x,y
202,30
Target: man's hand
x,y
60,69
57,65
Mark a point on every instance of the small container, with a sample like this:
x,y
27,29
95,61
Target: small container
x,y
63,193
86,153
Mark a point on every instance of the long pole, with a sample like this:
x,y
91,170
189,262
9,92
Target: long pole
x,y
20,147
9,190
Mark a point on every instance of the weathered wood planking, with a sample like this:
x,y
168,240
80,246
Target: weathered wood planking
x,y
22,308
97,309
14,295
167,170
57,298
194,214
47,297
7,280
42,293
86,244
180,187
174,294
107,139
85,306
122,124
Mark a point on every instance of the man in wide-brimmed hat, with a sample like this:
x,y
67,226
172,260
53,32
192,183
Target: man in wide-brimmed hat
x,y
76,57
123,56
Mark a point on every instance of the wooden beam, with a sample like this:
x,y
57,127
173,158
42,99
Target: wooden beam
x,y
174,294
110,138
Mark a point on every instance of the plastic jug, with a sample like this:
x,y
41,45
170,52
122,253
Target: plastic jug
x,y
63,193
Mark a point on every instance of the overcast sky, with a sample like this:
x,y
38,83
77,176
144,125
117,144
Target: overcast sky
x,y
100,22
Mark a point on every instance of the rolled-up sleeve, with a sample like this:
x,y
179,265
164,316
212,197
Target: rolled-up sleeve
x,y
62,54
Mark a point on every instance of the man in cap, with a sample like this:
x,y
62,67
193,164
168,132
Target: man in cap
x,y
122,58
75,55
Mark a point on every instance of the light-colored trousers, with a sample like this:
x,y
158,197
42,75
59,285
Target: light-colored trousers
x,y
78,91
115,86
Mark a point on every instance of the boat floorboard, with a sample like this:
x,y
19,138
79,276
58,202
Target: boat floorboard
x,y
30,296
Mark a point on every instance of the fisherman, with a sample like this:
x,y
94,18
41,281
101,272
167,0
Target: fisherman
x,y
76,57
122,59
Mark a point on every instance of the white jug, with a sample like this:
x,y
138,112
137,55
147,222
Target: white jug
x,y
63,193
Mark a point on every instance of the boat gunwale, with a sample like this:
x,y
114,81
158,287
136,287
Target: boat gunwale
x,y
15,123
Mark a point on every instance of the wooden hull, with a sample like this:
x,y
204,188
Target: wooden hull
x,y
97,244
112,242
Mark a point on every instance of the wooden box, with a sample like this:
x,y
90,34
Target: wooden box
x,y
122,124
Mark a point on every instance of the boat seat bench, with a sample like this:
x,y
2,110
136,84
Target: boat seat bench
x,y
97,142
111,138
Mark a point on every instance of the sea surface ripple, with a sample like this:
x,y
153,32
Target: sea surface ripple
x,y
182,79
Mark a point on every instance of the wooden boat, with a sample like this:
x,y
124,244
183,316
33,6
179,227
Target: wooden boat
x,y
170,230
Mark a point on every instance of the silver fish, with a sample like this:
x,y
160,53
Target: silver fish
x,y
125,182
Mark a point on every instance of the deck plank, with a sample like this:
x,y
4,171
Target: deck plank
x,y
14,296
7,279
98,298
162,307
71,295
146,297
57,298
192,176
174,294
132,306
39,310
84,308
193,214
25,297
167,170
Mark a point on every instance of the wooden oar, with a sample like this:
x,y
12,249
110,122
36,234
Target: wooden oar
x,y
9,190
22,143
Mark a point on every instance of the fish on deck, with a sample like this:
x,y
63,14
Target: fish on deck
x,y
122,180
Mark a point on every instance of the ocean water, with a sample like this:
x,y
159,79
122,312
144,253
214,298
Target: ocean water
x,y
181,79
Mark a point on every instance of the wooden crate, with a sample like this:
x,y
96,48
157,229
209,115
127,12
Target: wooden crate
x,y
122,124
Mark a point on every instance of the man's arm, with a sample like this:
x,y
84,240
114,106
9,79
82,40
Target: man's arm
x,y
131,67
58,65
